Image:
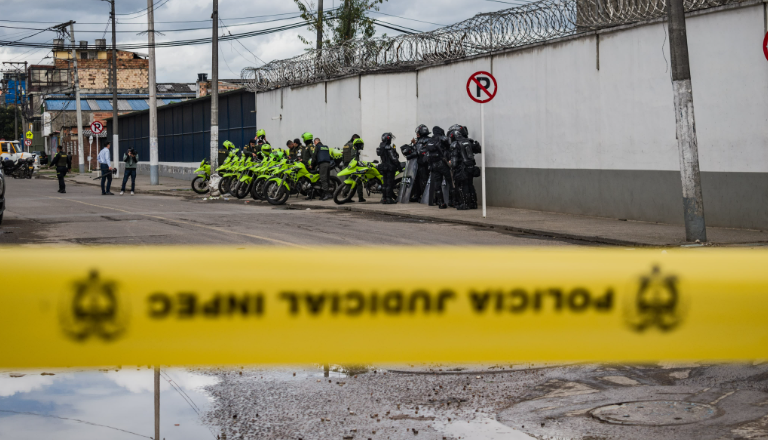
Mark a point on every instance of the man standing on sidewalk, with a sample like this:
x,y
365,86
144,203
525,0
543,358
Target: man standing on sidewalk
x,y
63,163
106,170
131,158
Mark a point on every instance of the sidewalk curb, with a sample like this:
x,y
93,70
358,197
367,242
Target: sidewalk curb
x,y
544,233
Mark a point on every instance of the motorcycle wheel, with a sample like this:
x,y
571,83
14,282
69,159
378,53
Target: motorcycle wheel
x,y
276,193
200,185
224,185
344,194
256,190
243,189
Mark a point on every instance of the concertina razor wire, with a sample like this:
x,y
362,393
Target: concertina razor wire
x,y
488,32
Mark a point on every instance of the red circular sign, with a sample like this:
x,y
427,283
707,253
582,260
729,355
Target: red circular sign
x,y
28,142
481,87
97,127
765,45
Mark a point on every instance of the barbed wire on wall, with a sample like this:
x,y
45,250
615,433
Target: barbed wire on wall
x,y
532,23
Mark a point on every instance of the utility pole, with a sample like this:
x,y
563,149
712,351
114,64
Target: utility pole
x,y
685,122
215,97
115,137
157,400
319,24
80,149
154,176
16,109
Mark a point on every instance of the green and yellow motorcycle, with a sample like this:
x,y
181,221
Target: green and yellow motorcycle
x,y
200,183
365,174
295,179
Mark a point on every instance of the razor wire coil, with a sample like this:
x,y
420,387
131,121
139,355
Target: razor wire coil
x,y
532,23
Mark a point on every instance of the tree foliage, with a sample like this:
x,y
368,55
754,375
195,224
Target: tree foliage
x,y
349,21
6,123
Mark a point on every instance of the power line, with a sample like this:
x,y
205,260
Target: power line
x,y
142,24
164,30
406,18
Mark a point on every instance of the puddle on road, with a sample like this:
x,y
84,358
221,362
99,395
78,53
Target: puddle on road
x,y
481,429
91,405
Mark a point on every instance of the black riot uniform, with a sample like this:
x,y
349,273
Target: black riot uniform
x,y
390,164
463,150
437,150
63,163
422,173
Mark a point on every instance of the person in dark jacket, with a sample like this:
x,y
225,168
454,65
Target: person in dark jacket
x,y
321,162
351,151
63,163
464,167
437,157
422,174
389,166
251,149
131,159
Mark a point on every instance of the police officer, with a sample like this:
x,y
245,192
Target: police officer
x,y
261,135
321,161
63,163
251,149
351,151
422,174
463,165
225,150
437,149
390,164
293,149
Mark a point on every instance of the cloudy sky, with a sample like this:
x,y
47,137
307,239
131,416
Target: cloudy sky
x,y
21,18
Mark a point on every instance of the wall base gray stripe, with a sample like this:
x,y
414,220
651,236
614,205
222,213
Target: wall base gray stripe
x,y
736,200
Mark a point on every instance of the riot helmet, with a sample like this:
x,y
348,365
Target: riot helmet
x,y
422,131
387,138
461,129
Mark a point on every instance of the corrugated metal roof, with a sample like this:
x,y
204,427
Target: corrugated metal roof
x,y
93,104
122,104
137,104
66,104
104,104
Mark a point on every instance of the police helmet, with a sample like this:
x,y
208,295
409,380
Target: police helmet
x,y
460,128
387,137
422,130
307,136
266,148
261,133
228,145
358,143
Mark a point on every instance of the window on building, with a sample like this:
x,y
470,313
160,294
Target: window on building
x,y
83,55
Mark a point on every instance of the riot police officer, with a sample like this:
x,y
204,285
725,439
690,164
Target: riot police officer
x,y
464,166
390,164
321,162
351,151
422,174
63,163
437,149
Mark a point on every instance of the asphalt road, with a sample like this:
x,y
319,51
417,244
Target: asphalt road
x,y
37,214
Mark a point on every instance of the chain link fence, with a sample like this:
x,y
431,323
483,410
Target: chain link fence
x,y
509,28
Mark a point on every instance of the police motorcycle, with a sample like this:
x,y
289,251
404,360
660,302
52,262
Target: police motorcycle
x,y
200,183
358,173
275,162
21,168
231,175
295,179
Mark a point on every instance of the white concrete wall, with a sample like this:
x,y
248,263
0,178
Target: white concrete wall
x,y
388,104
554,111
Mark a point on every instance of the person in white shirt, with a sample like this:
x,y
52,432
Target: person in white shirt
x,y
106,170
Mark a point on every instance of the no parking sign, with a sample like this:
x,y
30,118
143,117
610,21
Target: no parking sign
x,y
481,87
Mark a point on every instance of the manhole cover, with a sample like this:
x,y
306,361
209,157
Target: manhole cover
x,y
654,413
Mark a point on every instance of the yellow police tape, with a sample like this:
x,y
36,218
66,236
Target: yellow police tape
x,y
186,306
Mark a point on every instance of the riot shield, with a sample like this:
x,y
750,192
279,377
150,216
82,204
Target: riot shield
x,y
409,179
